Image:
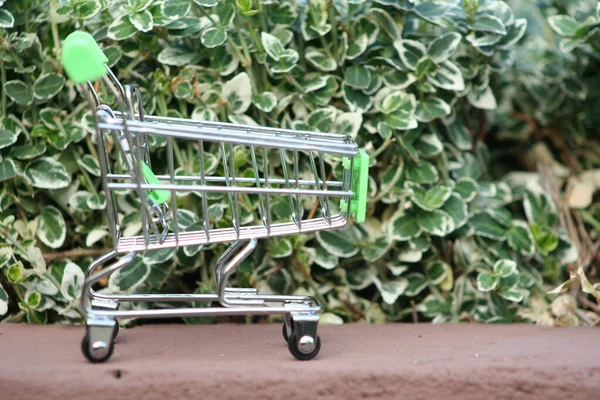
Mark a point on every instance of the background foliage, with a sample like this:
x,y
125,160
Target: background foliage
x,y
479,117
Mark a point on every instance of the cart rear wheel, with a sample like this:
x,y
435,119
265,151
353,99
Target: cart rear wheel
x,y
90,354
284,330
296,344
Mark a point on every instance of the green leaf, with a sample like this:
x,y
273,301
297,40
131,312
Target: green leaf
x,y
487,226
86,9
142,21
457,209
348,124
431,109
391,290
398,101
19,92
238,93
520,238
266,101
177,56
432,198
410,52
488,23
374,251
3,294
421,172
483,99
121,29
437,271
515,34
487,282
387,23
207,3
430,11
429,145
7,138
442,48
401,120
282,248
284,14
447,76
320,60
357,47
8,170
574,88
564,25
272,45
47,173
405,227
340,242
416,283
325,260
72,281
47,86
52,229
130,276
321,119
213,37
6,21
539,207
175,9
356,100
357,76
514,295
436,223
545,239
505,268
459,135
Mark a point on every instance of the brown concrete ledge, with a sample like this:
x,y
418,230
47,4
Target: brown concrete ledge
x,y
356,361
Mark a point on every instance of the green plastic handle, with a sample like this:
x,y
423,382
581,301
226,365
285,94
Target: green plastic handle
x,y
82,58
360,185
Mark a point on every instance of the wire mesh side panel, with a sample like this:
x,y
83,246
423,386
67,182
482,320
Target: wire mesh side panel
x,y
226,187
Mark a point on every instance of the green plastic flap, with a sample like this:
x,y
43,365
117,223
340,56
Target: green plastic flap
x,y
159,196
360,185
82,58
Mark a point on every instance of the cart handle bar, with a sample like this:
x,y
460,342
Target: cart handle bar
x,y
84,61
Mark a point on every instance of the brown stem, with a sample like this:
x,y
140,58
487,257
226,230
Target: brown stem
x,y
415,316
74,253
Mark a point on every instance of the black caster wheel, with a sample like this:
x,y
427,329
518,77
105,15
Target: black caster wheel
x,y
284,331
85,348
115,332
294,347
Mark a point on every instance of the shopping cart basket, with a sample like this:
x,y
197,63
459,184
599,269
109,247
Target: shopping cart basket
x,y
287,167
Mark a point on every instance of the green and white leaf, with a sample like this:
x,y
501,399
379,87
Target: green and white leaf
x,y
520,239
421,172
72,281
52,229
432,109
266,101
19,92
341,243
483,99
564,25
47,173
443,47
488,23
436,223
404,227
320,60
7,21
130,276
486,282
410,52
238,93
432,198
391,290
505,268
447,76
47,86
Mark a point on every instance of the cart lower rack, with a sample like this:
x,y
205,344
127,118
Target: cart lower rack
x,y
288,169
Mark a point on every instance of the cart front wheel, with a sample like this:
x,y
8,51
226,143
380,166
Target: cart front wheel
x,y
97,352
284,330
304,348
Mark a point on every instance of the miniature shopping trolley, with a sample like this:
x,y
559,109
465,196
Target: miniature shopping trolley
x,y
287,167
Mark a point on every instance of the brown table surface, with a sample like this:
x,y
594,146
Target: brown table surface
x,y
231,361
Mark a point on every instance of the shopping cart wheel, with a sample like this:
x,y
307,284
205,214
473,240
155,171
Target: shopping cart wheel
x,y
304,348
93,354
287,331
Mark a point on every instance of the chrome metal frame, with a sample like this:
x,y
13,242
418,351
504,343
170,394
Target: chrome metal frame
x,y
129,129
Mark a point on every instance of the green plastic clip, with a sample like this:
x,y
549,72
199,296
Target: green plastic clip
x,y
159,196
82,58
360,185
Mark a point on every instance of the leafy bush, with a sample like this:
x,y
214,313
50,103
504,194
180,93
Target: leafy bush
x,y
445,96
